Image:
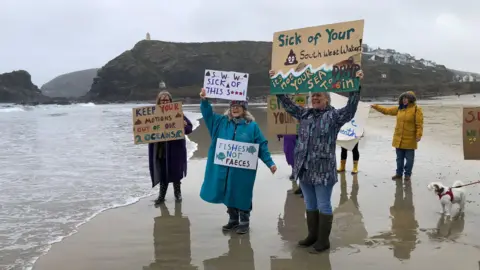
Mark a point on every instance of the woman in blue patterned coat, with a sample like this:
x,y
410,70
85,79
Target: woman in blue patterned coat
x,y
315,160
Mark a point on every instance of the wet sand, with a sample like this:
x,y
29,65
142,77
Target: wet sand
x,y
378,223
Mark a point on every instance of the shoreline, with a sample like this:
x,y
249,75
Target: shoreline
x,y
193,101
451,100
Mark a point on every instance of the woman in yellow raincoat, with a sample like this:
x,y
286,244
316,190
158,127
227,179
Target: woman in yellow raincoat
x,y
408,132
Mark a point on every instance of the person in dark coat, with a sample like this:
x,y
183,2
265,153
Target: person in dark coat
x,y
168,160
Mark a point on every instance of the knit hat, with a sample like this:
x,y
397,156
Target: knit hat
x,y
243,103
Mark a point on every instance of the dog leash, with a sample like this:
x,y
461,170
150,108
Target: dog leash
x,y
469,184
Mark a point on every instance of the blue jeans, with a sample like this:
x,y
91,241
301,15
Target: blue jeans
x,y
409,156
317,197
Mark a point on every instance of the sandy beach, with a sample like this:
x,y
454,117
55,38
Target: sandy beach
x,y
378,223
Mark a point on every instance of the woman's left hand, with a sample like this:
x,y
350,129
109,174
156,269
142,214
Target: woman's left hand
x,y
359,74
273,169
185,122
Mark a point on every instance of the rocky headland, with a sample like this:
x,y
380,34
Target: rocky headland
x,y
70,85
136,74
17,87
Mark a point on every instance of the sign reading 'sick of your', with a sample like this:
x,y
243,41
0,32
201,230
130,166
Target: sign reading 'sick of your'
x,y
225,84
317,59
236,154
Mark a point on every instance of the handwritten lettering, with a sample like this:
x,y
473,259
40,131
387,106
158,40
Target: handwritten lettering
x,y
471,117
236,162
350,132
169,107
158,136
345,71
283,118
314,38
342,35
145,111
286,40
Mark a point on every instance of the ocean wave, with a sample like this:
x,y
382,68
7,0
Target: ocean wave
x,y
89,104
11,109
33,222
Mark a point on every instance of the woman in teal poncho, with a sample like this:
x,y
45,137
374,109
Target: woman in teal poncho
x,y
229,185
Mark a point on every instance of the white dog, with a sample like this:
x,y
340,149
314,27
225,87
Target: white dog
x,y
449,195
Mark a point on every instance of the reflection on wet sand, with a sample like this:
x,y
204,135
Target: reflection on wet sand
x,y
171,242
403,236
448,228
348,228
238,257
291,229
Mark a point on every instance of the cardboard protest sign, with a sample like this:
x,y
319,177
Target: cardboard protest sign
x,y
225,84
158,123
471,133
279,121
317,59
236,154
351,132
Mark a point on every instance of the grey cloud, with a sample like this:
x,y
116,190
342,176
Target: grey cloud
x,y
51,37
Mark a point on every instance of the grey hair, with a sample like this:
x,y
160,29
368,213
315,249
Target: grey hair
x,y
327,94
246,115
164,93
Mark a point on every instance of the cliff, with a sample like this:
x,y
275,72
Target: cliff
x,y
17,87
136,73
70,85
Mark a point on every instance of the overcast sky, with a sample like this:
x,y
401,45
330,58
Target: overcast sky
x,y
52,37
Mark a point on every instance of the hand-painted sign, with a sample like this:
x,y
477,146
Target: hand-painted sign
x,y
225,84
351,132
158,123
279,121
471,133
236,154
317,59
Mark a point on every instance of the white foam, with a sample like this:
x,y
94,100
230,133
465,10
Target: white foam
x,y
292,71
89,104
11,109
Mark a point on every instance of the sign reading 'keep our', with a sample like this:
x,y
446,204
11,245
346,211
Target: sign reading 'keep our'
x,y
158,123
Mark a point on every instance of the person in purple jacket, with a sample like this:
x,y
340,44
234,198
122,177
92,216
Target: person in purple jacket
x,y
168,160
289,142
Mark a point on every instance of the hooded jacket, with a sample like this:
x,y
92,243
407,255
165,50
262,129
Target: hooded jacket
x,y
228,185
409,125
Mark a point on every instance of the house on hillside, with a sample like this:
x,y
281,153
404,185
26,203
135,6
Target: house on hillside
x,y
427,63
468,78
365,48
400,58
380,55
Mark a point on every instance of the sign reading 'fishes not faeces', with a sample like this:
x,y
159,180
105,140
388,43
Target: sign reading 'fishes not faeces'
x,y
317,59
236,154
228,85
158,123
471,133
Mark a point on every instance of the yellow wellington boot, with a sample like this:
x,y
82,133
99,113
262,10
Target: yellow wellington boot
x,y
355,167
342,166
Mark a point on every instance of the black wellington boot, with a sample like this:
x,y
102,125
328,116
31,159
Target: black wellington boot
x,y
233,219
177,191
312,225
244,226
162,193
324,229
